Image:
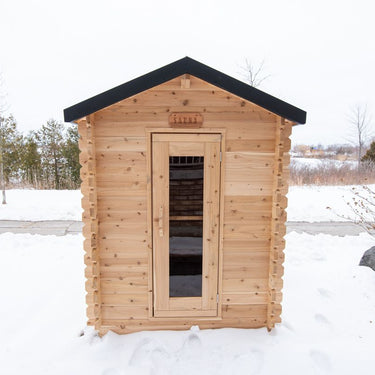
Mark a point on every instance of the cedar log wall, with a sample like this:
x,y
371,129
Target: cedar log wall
x,y
118,242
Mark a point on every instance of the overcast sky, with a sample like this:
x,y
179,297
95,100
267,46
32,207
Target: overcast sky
x,y
320,55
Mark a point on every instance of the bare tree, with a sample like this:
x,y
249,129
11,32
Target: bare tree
x,y
360,121
254,73
363,206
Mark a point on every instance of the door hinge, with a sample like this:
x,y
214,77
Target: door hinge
x,y
221,156
217,298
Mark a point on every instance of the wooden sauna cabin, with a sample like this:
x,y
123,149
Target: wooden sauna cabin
x,y
184,177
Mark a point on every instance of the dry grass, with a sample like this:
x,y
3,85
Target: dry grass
x,y
332,174
325,173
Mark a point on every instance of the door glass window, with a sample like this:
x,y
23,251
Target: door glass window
x,y
185,225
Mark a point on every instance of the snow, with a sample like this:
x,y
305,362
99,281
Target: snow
x,y
305,203
322,203
328,316
35,205
328,320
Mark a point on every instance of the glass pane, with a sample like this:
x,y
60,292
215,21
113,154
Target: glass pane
x,y
185,225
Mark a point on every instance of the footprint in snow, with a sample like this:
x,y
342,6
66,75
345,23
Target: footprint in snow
x,y
288,326
321,361
191,358
325,293
250,363
193,342
318,256
148,352
191,348
320,318
160,360
112,371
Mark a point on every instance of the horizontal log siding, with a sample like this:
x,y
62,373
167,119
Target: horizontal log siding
x,y
121,176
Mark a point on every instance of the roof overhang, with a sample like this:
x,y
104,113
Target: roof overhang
x,y
176,69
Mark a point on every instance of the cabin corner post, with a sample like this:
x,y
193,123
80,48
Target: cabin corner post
x,y
278,219
90,220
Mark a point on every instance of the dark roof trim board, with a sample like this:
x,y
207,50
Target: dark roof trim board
x,y
178,68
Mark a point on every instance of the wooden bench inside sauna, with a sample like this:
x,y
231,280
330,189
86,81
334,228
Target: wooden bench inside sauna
x,y
184,181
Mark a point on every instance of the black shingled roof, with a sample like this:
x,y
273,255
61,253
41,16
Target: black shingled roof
x,y
175,69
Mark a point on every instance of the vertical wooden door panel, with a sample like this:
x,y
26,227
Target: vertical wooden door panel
x,y
211,200
164,146
160,213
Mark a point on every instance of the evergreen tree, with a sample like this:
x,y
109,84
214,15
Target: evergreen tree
x,y
47,158
31,162
10,148
370,154
51,143
71,156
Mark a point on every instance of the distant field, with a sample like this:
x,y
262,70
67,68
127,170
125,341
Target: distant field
x,y
313,163
311,171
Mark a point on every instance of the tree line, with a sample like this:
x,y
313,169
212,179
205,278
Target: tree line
x,y
47,158
333,151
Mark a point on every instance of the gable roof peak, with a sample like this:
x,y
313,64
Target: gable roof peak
x,y
186,65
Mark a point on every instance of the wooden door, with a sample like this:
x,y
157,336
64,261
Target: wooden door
x,y
186,172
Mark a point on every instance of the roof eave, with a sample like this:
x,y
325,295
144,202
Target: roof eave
x,y
173,70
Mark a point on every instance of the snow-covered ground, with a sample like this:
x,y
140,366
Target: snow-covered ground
x,y
328,318
328,308
25,204
306,203
323,203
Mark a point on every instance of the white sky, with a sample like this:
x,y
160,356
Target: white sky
x,y
320,54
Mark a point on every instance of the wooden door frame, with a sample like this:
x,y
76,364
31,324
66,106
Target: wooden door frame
x,y
149,132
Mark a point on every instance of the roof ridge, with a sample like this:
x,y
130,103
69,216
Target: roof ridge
x,y
186,65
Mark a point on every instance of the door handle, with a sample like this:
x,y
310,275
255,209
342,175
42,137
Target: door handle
x,y
161,232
